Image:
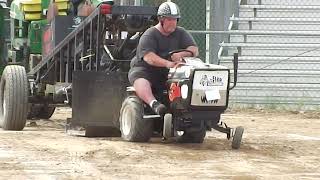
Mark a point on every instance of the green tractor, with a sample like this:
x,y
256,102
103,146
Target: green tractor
x,y
4,33
23,28
51,51
23,25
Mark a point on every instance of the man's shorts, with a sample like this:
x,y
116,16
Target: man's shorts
x,y
155,77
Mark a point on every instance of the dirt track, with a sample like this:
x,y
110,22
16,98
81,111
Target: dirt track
x,y
275,146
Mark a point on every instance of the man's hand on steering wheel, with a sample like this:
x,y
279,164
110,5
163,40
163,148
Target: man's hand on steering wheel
x,y
172,64
178,55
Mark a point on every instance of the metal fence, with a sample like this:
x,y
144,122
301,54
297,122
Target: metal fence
x,y
199,17
277,40
279,46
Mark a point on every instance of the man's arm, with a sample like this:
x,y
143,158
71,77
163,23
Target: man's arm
x,y
193,49
176,57
155,60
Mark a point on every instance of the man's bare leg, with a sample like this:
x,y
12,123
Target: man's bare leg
x,y
144,92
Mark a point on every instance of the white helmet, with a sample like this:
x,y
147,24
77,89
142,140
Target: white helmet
x,y
169,9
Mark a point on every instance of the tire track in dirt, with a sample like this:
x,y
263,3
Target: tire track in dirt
x,y
33,154
275,146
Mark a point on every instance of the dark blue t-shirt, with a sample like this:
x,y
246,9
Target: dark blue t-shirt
x,y
153,41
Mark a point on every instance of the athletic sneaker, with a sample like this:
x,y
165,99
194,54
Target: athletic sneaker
x,y
159,108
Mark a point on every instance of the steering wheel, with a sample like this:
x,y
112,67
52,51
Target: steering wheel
x,y
179,50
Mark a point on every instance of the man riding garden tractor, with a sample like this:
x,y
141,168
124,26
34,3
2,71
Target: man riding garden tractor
x,y
196,93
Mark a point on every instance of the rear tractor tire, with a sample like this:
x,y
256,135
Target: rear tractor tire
x,y
132,125
13,98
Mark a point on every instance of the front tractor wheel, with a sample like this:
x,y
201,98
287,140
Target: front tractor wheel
x,y
13,98
132,125
237,137
167,126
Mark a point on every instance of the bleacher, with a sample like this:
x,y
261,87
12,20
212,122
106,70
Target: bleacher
x,y
278,43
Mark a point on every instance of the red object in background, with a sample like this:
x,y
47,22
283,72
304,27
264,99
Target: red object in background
x,y
105,9
174,91
47,35
47,44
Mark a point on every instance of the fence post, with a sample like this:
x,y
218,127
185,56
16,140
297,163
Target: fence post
x,y
217,24
221,10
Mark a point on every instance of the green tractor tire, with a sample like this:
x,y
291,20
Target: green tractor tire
x,y
46,112
13,98
40,112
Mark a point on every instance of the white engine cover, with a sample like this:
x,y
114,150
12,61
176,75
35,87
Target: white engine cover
x,y
210,88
